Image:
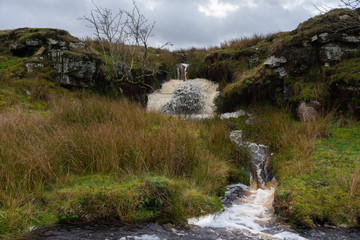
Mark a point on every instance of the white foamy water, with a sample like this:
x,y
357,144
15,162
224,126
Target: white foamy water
x,y
158,99
251,215
142,237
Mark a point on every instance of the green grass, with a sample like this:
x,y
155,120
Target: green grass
x,y
328,191
133,199
317,165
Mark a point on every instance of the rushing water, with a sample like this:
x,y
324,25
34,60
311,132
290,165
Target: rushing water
x,y
252,215
194,98
248,210
154,231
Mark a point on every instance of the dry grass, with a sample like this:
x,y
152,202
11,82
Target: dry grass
x,y
243,42
354,181
96,135
286,136
84,135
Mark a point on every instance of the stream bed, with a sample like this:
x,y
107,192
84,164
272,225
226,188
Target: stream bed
x,y
154,231
248,214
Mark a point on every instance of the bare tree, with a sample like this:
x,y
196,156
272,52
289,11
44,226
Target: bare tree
x,y
139,27
123,37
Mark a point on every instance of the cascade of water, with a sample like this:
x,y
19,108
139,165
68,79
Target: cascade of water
x,y
194,97
259,160
252,215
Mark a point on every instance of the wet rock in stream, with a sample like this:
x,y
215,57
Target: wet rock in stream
x,y
234,192
118,231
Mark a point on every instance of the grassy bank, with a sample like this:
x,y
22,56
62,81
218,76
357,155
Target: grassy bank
x,y
327,189
316,165
84,158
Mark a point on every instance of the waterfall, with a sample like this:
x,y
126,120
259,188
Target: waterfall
x,y
182,70
194,98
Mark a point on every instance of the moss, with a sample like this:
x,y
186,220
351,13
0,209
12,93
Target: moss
x,y
22,219
97,197
8,61
23,34
346,71
14,68
330,191
326,22
310,91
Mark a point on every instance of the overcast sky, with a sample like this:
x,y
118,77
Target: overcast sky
x,y
185,23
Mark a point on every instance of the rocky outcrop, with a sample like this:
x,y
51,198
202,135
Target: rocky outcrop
x,y
318,61
273,61
311,50
76,64
260,158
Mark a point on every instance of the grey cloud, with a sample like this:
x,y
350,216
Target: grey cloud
x,y
177,21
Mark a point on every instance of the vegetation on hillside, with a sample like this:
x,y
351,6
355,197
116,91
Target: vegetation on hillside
x,y
316,165
311,71
64,162
77,156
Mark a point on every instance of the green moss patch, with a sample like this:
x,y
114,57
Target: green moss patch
x,y
330,190
347,71
100,197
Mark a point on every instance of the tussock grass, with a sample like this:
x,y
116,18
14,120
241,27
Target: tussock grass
x,y
243,42
86,136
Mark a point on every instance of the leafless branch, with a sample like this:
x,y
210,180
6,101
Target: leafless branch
x,y
352,4
124,38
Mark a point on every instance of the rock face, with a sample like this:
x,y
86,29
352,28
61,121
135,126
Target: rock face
x,y
187,99
260,157
273,61
79,71
76,64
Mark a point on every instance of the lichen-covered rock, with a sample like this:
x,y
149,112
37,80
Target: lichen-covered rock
x,y
77,65
74,70
273,61
331,53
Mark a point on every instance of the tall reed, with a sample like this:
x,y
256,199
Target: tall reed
x,y
88,135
